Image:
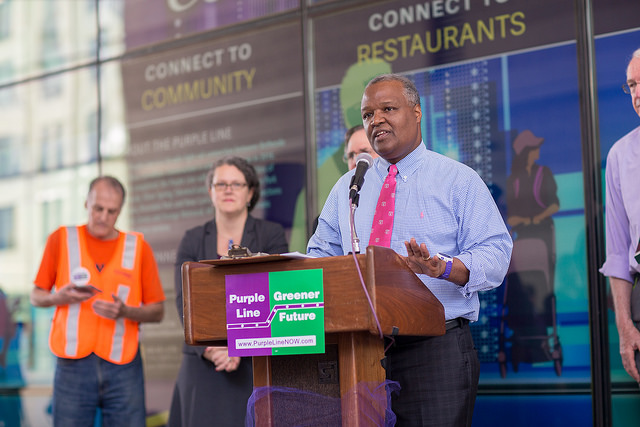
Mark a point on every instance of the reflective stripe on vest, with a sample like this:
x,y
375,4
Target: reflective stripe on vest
x,y
73,313
129,252
117,341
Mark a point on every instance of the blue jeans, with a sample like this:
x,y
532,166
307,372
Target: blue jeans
x,y
82,385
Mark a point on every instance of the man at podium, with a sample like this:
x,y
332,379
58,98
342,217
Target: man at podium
x,y
440,216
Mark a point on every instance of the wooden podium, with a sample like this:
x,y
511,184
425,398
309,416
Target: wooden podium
x,y
403,305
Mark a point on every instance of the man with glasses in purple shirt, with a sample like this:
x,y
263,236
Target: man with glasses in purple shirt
x,y
623,229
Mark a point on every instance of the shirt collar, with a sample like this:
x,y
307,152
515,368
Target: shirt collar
x,y
407,166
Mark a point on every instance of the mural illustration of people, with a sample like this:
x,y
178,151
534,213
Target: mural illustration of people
x,y
11,380
529,295
7,329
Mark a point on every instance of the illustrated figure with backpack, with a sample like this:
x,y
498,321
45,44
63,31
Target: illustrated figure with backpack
x,y
529,303
532,195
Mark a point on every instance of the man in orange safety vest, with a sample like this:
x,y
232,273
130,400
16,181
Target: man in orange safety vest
x,y
105,284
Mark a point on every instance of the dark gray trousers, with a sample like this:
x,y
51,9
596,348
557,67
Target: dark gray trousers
x,y
438,378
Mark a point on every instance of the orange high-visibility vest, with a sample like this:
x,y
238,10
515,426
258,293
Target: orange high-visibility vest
x,y
77,330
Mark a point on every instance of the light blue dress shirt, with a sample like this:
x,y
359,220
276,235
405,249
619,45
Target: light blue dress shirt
x,y
439,201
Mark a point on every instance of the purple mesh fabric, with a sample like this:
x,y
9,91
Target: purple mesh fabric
x,y
293,407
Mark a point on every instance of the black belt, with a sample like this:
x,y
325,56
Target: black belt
x,y
448,325
458,322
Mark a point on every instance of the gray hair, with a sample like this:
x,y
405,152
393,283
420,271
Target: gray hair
x,y
113,182
410,91
635,54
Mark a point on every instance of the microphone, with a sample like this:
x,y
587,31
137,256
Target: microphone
x,y
363,162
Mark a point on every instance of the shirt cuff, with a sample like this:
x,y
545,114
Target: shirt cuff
x,y
467,289
617,266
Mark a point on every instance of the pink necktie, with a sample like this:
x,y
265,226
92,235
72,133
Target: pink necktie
x,y
383,217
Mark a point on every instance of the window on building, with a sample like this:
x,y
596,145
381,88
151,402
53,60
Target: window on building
x,y
51,217
8,157
50,54
5,24
6,76
7,235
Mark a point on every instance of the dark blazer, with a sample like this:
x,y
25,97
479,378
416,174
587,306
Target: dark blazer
x,y
203,396
201,243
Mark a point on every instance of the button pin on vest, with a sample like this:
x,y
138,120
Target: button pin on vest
x,y
80,277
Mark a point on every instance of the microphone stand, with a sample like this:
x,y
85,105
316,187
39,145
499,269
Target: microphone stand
x,y
355,241
355,249
363,162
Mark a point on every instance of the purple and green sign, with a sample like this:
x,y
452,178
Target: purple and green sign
x,y
275,313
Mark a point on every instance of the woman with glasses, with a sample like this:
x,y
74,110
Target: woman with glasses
x,y
211,386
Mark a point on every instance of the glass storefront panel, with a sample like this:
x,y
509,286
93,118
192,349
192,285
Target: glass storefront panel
x,y
45,36
49,155
489,75
173,20
163,129
616,38
111,28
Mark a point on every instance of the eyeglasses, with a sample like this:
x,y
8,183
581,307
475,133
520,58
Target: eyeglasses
x,y
347,157
629,88
235,186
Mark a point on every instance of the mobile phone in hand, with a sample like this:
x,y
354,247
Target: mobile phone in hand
x,y
87,288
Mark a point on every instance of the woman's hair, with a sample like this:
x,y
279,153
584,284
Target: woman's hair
x,y
247,170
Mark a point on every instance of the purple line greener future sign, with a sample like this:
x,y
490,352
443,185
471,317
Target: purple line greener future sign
x,y
275,313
